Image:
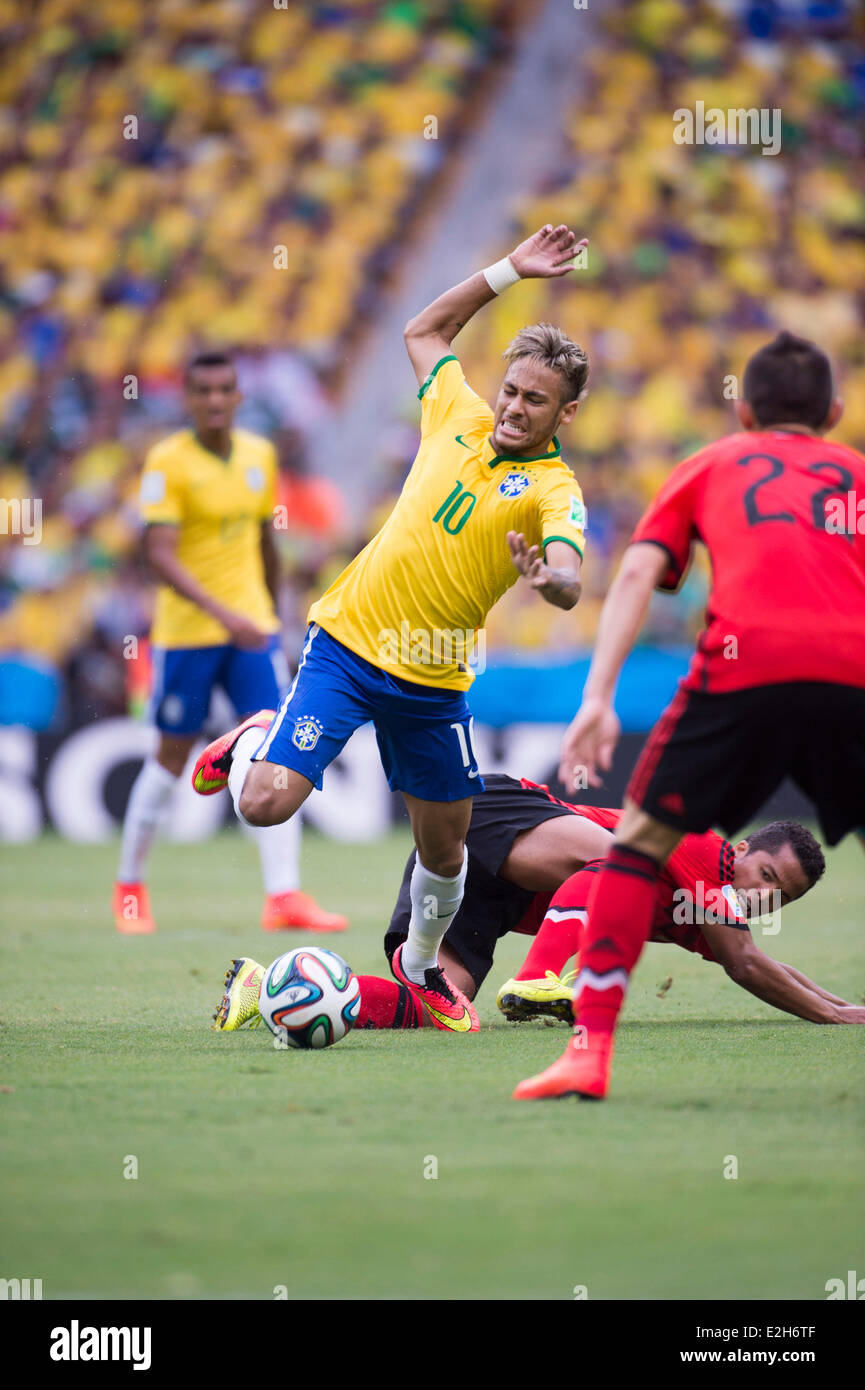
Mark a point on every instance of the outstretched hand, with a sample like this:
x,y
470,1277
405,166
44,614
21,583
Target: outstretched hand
x,y
548,254
588,745
528,560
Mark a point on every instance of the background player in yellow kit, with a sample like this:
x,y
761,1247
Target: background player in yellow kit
x,y
207,496
488,499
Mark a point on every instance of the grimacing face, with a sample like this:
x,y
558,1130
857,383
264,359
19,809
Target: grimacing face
x,y
212,398
768,871
529,409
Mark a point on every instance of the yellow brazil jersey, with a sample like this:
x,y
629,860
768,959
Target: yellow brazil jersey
x,y
219,505
413,598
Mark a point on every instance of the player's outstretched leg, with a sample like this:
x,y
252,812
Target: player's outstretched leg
x,y
239,1003
210,773
387,1004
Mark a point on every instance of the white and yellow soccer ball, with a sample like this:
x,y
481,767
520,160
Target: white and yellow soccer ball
x,y
309,997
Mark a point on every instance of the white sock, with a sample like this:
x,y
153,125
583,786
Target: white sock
x,y
241,757
150,792
279,849
434,904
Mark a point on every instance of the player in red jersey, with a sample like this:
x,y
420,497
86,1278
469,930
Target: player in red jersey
x,y
707,887
531,859
777,683
520,839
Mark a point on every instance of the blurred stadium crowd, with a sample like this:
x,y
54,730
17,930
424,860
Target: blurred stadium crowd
x,y
698,254
303,128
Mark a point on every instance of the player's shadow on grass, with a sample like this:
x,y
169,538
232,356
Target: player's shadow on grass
x,y
629,1025
692,1023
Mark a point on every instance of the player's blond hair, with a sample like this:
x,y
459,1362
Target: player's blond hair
x,y
553,348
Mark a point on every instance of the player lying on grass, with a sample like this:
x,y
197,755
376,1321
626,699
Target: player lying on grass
x,y
488,499
532,860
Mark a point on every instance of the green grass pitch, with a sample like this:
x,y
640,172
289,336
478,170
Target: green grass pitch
x,y
260,1168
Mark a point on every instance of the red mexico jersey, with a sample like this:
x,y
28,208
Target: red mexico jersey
x,y
697,878
693,880
779,514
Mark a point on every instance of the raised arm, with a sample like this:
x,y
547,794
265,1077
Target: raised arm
x,y
428,336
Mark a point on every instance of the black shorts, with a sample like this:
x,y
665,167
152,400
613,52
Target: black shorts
x,y
491,906
714,760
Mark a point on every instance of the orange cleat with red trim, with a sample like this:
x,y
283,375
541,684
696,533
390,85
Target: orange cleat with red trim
x,y
131,908
287,911
210,773
583,1070
446,1005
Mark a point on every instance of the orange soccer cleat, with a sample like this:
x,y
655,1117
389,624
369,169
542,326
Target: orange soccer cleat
x,y
284,911
210,773
446,1005
131,908
583,1070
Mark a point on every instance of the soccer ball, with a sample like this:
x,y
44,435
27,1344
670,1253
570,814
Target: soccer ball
x,y
309,997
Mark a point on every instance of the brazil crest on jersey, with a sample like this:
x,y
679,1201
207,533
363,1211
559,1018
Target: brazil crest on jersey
x,y
413,598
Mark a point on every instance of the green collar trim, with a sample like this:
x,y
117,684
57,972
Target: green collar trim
x,y
555,452
451,357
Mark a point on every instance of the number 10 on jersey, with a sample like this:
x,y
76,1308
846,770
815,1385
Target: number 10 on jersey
x,y
453,512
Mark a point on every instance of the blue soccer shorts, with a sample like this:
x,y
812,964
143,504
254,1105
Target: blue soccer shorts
x,y
184,678
424,734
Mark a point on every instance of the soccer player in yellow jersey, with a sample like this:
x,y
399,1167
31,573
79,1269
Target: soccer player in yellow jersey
x,y
207,496
488,499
